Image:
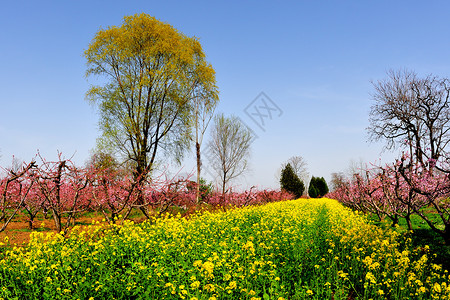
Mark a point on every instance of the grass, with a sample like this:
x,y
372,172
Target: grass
x,y
301,249
39,229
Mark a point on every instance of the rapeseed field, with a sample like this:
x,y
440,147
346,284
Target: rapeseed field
x,y
298,249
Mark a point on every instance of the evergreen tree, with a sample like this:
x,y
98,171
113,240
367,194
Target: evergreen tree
x,y
290,182
317,187
322,186
313,192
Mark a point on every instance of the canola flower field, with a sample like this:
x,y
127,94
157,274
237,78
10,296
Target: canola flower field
x,y
298,249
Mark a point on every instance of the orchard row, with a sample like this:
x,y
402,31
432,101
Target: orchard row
x,y
63,191
400,190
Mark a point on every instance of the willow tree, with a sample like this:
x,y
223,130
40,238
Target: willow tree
x,y
149,74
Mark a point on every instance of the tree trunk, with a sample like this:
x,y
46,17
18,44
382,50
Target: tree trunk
x,y
394,221
30,224
140,177
199,164
223,189
408,221
446,234
57,219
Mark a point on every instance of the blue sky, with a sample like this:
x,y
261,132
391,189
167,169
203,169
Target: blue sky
x,y
314,59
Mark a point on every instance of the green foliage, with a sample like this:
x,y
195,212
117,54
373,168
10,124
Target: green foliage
x,y
290,182
205,188
313,192
317,187
322,186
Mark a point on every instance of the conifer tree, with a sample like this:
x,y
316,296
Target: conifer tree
x,y
290,182
317,187
322,186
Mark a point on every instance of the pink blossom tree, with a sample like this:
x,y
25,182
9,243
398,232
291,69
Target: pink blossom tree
x,y
14,190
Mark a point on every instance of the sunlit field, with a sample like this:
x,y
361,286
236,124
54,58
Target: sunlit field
x,y
298,249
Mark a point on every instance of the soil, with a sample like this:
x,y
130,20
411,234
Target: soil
x,y
18,231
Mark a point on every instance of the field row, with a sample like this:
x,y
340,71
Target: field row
x,y
299,249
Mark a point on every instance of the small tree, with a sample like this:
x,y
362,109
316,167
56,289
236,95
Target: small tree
x,y
338,180
290,182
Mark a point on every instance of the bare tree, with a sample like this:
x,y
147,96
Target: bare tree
x,y
338,180
229,148
412,112
357,168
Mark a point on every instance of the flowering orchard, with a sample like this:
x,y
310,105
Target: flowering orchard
x,y
298,249
400,190
62,190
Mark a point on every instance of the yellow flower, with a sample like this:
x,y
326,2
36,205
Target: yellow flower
x,y
309,292
437,287
342,274
370,277
197,263
233,284
209,268
210,287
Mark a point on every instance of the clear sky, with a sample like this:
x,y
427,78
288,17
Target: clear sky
x,y
314,60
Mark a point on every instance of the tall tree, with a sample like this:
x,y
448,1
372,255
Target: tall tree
x,y
205,102
229,148
150,72
412,109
